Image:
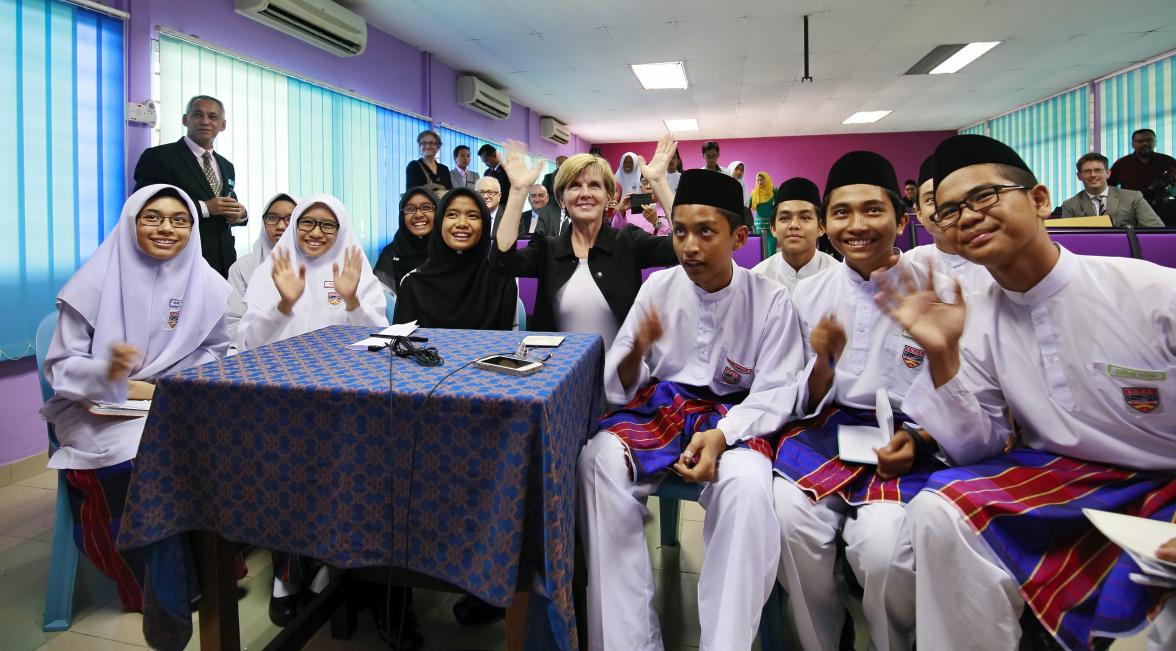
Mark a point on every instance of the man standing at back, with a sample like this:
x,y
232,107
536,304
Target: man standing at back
x,y
191,165
462,176
489,155
1143,167
1124,207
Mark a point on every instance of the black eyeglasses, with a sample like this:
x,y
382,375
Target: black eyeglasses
x,y
328,228
154,219
426,209
271,219
986,197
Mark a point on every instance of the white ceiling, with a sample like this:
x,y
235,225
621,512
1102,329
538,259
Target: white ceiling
x,y
570,58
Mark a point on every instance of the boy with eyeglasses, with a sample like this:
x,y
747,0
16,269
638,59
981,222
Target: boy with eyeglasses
x,y
1083,350
941,254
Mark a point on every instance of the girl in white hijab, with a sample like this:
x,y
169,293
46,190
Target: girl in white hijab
x,y
144,304
736,171
275,220
317,276
628,175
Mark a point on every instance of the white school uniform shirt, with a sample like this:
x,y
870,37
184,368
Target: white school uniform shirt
x,y
1086,359
877,353
778,269
743,337
242,270
973,277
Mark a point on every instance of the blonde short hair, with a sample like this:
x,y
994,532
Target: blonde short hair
x,y
579,163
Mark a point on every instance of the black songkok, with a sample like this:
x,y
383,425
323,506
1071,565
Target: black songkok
x,y
965,150
927,170
798,188
707,188
862,168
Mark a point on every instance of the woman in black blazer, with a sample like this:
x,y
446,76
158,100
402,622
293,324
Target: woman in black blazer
x,y
427,170
589,272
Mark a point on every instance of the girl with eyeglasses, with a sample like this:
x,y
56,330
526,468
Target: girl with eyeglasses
x,y
409,247
275,219
316,276
145,303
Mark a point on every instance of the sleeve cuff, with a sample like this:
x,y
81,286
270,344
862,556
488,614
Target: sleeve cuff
x,y
203,209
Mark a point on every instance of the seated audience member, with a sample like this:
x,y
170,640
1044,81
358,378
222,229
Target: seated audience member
x,y
628,177
710,156
796,228
674,171
940,256
427,170
275,219
910,195
856,356
461,175
1004,530
489,155
409,246
1144,167
1125,207
145,304
454,288
649,219
589,274
549,179
542,218
317,276
762,205
723,344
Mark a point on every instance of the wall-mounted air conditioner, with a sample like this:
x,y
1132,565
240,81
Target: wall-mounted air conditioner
x,y
477,95
322,23
554,130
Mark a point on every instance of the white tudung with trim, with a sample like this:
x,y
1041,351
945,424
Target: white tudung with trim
x,y
478,95
322,23
555,131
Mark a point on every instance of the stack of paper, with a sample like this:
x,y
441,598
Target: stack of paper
x,y
131,408
381,338
1140,538
856,443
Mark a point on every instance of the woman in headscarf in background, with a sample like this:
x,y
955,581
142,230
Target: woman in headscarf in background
x,y
628,175
763,206
409,247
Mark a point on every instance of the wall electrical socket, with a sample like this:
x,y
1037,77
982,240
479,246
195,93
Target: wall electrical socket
x,y
141,113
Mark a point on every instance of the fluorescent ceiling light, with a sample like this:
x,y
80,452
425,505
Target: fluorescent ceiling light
x,y
689,124
866,117
966,55
661,75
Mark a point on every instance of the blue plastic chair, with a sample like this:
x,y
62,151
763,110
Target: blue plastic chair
x,y
672,491
521,313
390,299
63,557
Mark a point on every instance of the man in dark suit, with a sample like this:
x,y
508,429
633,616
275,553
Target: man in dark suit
x,y
549,180
542,218
489,156
191,165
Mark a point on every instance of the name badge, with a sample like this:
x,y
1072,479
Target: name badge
x,y
328,284
1136,374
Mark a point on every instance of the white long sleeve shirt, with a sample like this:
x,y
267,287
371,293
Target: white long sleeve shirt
x,y
776,268
743,337
973,277
1086,359
877,353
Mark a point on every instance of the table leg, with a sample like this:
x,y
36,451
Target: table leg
x,y
216,563
516,621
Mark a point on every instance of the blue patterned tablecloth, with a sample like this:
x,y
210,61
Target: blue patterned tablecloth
x,y
301,447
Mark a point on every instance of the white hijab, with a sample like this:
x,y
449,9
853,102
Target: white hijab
x,y
731,173
164,308
316,308
628,182
262,246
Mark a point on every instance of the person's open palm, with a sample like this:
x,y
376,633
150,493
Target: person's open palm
x,y
656,168
931,321
347,277
290,283
522,176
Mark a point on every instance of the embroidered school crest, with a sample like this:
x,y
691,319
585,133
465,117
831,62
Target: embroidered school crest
x,y
912,357
173,319
334,298
733,373
1142,399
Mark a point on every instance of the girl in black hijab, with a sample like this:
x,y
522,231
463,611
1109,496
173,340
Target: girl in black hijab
x,y
409,248
455,288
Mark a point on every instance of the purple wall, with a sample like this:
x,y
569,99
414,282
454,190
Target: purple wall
x,y
20,400
810,156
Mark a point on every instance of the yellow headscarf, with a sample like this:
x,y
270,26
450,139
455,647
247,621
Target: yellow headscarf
x,y
760,194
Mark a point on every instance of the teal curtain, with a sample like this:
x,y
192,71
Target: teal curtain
x,y
451,138
1050,135
288,135
62,153
980,129
1138,99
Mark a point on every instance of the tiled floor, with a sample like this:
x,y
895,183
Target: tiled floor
x,y
26,518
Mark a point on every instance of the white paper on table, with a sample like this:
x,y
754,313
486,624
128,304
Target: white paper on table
x,y
543,341
397,330
1139,537
856,443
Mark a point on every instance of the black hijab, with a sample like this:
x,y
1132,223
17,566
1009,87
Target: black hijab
x,y
406,251
457,289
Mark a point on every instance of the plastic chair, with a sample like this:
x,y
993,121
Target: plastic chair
x,y
672,491
390,309
521,314
63,557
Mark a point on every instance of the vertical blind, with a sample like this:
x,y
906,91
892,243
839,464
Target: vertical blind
x,y
1138,99
1051,135
62,169
288,135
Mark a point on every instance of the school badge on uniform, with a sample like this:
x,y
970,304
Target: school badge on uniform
x,y
913,357
1142,399
733,373
173,316
334,298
